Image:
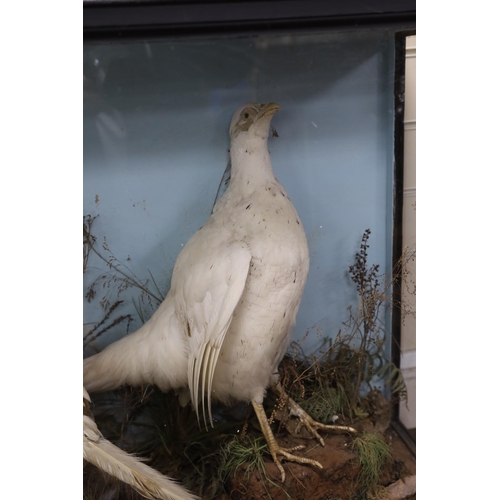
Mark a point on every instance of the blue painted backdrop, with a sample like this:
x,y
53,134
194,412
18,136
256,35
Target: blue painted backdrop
x,y
156,138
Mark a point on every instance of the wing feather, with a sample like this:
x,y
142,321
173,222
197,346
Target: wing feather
x,y
206,297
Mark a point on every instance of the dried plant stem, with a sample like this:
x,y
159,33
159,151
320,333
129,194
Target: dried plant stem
x,y
129,277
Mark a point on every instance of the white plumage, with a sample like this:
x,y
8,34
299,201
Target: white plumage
x,y
127,468
236,288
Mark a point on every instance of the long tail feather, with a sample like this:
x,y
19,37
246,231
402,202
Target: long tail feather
x,y
154,354
125,467
115,365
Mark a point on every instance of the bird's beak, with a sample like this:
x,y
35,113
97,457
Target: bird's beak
x,y
269,109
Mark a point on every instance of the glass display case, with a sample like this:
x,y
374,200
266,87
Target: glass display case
x,y
161,82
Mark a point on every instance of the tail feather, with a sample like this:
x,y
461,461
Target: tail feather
x,y
127,468
154,354
132,360
114,366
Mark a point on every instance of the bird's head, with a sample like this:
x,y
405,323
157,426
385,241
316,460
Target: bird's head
x,y
253,117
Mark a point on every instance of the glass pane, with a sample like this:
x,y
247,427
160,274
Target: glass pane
x,y
156,144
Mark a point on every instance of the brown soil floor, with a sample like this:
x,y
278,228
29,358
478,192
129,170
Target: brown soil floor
x,y
337,479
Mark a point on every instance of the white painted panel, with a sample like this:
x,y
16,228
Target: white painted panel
x,y
409,218
411,94
408,338
407,412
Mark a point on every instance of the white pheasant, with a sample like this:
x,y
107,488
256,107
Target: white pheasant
x,y
236,287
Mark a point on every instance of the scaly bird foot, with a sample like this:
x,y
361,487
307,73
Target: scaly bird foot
x,y
305,420
274,447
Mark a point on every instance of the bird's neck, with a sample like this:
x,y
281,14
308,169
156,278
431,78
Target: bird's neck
x,y
250,162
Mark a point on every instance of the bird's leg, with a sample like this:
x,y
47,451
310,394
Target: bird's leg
x,y
274,448
305,420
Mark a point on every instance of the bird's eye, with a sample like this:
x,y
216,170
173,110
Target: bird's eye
x,y
246,115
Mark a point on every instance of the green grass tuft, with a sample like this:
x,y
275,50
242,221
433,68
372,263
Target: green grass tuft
x,y
246,451
373,453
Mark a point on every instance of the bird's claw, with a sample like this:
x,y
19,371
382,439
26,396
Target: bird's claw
x,y
285,452
312,426
305,420
275,449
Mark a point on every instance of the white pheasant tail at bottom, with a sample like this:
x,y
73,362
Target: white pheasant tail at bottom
x,y
127,468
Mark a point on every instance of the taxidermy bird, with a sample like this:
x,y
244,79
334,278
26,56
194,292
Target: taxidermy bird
x,y
236,287
130,469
